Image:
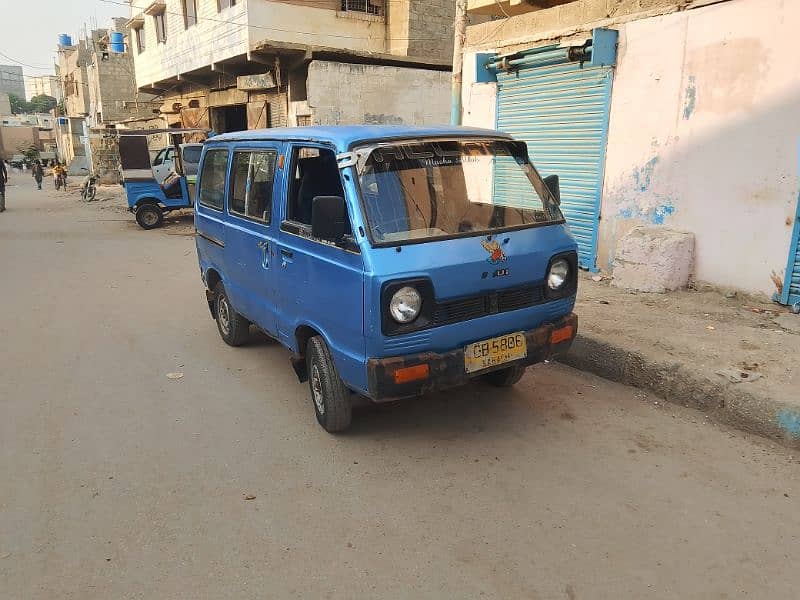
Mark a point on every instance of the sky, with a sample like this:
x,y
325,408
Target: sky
x,y
29,29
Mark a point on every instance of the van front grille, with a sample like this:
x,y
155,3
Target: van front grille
x,y
490,303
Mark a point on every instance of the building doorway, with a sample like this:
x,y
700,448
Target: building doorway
x,y
225,119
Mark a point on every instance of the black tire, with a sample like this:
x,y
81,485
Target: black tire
x,y
91,192
329,395
505,377
233,328
149,216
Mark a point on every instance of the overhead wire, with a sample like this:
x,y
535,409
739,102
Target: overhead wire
x,y
132,4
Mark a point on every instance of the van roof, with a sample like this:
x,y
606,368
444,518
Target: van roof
x,y
345,136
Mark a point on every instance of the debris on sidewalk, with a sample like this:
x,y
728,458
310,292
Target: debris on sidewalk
x,y
176,375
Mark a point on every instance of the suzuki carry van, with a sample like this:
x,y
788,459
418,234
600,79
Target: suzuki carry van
x,y
389,261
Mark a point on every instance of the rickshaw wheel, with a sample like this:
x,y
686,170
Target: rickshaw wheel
x,y
149,216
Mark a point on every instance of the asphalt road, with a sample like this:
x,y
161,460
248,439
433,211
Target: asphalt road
x,y
117,482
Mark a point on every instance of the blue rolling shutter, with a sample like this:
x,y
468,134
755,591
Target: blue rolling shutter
x,y
791,284
562,112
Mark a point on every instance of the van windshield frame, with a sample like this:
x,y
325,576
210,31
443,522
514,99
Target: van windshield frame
x,y
440,153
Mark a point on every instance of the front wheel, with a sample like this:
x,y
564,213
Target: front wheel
x,y
330,396
90,193
505,377
149,216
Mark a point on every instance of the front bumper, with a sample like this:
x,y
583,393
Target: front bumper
x,y
447,370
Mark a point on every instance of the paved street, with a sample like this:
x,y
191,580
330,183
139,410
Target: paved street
x,y
117,482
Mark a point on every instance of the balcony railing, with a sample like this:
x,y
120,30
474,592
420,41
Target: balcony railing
x,y
368,7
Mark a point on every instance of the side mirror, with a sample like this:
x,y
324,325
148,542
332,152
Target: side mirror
x,y
551,181
328,218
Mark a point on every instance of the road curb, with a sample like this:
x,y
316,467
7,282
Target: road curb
x,y
727,403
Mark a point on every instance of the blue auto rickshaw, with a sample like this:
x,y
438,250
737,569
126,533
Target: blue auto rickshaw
x,y
148,199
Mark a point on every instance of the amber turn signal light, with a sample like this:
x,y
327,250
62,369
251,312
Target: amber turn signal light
x,y
562,334
408,374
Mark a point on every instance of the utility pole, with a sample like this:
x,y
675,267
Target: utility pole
x,y
458,61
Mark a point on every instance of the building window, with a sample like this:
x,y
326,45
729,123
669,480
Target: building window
x,y
221,4
161,28
189,13
369,7
139,35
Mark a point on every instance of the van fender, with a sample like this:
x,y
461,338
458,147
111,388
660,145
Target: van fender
x,y
303,331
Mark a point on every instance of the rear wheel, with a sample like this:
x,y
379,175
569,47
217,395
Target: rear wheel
x,y
505,377
149,216
330,396
234,329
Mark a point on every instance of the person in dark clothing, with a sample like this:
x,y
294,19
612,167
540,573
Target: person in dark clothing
x,y
3,181
38,173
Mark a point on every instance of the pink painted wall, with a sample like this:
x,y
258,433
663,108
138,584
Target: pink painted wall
x,y
704,131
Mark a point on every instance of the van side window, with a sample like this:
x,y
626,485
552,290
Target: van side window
x,y
315,174
252,175
212,179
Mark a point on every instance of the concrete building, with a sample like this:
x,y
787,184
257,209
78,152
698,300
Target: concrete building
x,y
47,85
5,104
232,65
674,113
100,91
12,80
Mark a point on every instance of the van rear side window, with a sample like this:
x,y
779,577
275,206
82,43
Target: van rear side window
x,y
212,179
252,175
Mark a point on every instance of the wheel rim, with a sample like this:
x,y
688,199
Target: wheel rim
x,y
149,217
224,315
316,389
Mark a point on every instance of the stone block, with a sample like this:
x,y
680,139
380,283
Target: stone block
x,y
653,259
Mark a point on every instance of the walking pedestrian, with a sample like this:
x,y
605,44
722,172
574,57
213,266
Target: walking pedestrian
x,y
38,173
3,181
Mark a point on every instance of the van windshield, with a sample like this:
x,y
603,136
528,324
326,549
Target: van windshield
x,y
428,190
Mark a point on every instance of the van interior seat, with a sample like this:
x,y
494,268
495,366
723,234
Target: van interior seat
x,y
319,177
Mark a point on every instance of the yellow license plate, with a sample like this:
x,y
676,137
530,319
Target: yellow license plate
x,y
496,351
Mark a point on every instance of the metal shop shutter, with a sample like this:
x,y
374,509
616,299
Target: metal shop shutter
x,y
791,284
562,111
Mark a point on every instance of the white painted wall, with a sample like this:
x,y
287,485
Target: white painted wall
x,y
705,123
704,133
346,94
279,22
234,31
216,36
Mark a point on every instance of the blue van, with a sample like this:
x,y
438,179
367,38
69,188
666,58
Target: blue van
x,y
389,261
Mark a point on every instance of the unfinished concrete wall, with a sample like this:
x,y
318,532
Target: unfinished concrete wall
x,y
340,94
112,89
421,29
104,150
16,140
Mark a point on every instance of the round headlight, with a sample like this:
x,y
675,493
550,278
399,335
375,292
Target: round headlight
x,y
405,305
557,277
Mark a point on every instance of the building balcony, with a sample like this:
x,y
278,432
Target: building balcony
x,y
510,8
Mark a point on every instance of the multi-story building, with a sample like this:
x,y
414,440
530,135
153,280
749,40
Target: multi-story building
x,y
12,80
100,91
45,85
237,64
669,114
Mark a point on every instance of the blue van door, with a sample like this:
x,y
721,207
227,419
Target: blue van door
x,y
321,285
209,211
250,233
